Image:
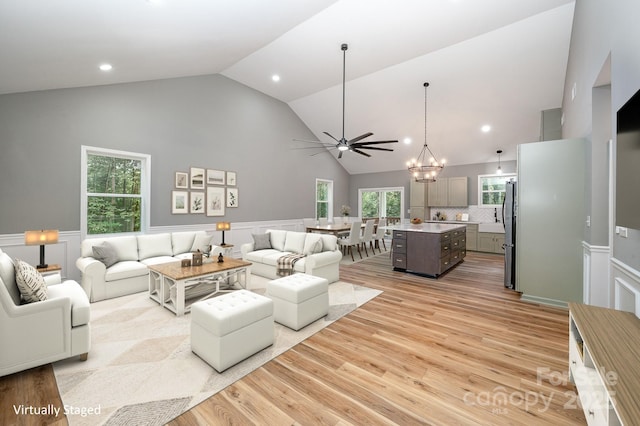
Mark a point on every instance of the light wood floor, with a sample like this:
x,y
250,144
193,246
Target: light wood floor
x,y
458,350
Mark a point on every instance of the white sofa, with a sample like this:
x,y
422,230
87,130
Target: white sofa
x,y
40,332
130,273
322,254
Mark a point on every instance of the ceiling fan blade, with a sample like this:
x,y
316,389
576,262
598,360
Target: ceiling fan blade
x,y
310,141
356,139
361,152
328,134
374,143
323,151
340,154
313,147
372,147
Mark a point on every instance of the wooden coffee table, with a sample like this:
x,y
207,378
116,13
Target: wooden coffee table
x,y
176,287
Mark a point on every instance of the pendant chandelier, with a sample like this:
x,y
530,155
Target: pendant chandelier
x,y
422,171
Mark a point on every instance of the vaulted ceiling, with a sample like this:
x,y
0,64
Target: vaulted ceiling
x,y
495,62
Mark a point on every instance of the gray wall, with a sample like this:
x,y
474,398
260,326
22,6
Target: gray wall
x,y
207,121
402,179
602,30
473,170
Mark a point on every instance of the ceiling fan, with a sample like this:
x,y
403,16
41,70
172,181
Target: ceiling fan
x,y
354,144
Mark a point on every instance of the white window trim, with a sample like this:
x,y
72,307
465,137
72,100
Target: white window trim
x,y
507,176
390,188
329,196
145,186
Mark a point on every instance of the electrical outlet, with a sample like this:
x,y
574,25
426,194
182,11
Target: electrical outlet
x,y
623,232
588,221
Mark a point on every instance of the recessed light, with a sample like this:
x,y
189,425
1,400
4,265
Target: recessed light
x,y
486,128
407,141
275,77
106,67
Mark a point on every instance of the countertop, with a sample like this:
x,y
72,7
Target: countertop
x,y
431,228
491,227
467,222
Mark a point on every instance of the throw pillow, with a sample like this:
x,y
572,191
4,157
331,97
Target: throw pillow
x,y
105,253
30,282
312,244
202,243
261,241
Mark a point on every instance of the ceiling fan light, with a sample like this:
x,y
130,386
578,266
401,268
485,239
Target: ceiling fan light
x,y
343,148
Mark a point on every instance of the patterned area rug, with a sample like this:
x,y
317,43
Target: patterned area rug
x,y
141,369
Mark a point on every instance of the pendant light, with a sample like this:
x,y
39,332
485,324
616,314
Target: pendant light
x,y
499,171
420,170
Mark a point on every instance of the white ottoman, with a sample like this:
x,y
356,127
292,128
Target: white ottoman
x,y
229,328
299,299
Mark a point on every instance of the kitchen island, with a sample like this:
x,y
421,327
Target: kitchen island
x,y
429,248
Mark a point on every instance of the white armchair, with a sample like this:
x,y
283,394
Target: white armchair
x,y
38,333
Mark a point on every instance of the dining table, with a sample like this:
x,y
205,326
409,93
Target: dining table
x,y
331,228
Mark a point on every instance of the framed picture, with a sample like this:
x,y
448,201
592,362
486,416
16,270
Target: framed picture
x,y
215,177
197,178
215,201
231,178
179,202
182,180
197,202
232,197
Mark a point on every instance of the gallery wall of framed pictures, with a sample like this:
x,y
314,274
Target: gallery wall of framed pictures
x,y
204,191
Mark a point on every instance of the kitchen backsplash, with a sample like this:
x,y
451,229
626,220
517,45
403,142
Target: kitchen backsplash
x,y
476,214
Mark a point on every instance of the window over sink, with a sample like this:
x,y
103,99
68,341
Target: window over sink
x,y
491,189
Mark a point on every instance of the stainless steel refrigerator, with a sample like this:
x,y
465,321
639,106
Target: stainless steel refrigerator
x,y
509,212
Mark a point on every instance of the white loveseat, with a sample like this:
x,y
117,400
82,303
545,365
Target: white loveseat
x,y
129,274
40,332
322,254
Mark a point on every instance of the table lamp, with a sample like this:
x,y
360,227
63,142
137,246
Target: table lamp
x,y
223,226
41,237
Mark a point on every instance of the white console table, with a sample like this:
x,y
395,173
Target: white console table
x,y
604,363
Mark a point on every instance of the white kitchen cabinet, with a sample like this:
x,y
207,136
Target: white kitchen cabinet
x,y
490,242
438,193
448,192
457,192
472,237
418,195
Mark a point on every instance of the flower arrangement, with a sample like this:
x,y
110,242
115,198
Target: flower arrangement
x,y
345,210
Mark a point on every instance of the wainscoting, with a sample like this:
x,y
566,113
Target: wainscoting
x,y
595,275
625,289
67,250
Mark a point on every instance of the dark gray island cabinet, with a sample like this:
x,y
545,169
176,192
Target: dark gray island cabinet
x,y
429,248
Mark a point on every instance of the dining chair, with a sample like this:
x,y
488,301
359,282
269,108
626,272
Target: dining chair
x,y
380,234
367,237
323,221
352,240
